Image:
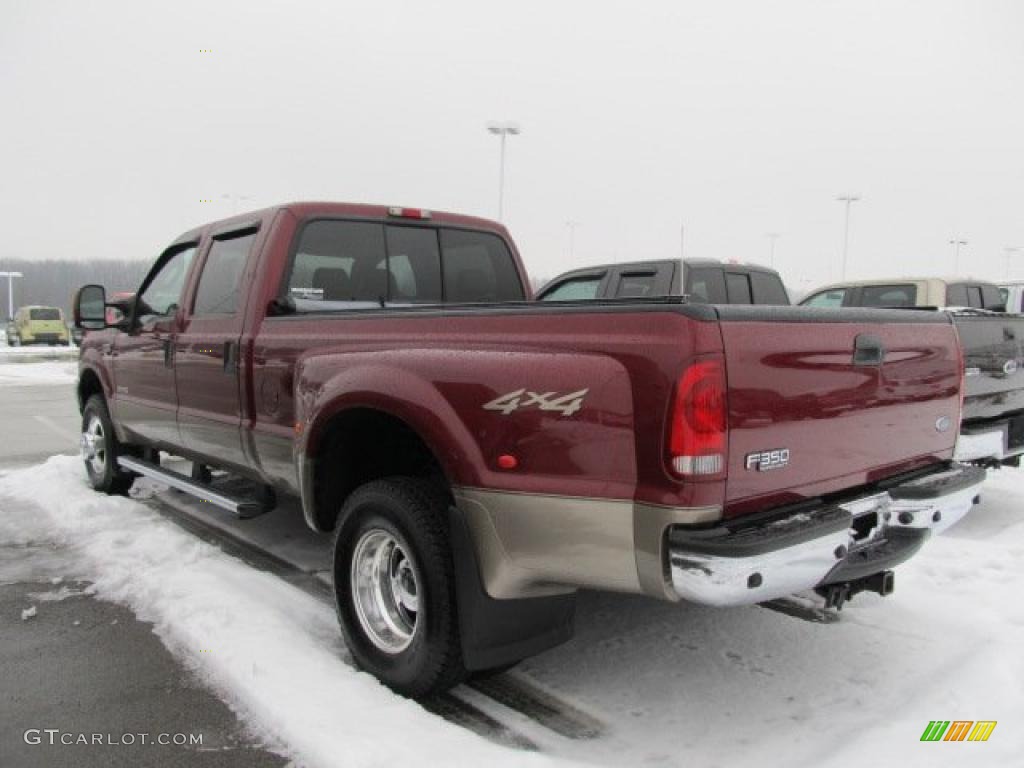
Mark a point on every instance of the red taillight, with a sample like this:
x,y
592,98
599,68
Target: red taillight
x,y
408,213
697,431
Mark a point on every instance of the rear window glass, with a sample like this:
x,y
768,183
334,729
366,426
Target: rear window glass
x,y
413,266
339,265
478,267
571,290
738,288
217,293
829,299
705,285
636,284
44,313
361,265
768,289
888,296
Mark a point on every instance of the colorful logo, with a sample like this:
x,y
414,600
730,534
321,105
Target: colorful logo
x,y
958,730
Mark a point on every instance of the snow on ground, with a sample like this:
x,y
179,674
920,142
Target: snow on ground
x,y
676,684
33,373
37,352
38,365
273,652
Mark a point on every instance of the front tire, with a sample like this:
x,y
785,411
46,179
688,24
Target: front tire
x,y
394,586
100,449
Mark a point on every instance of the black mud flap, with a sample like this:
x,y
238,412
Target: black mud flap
x,y
496,633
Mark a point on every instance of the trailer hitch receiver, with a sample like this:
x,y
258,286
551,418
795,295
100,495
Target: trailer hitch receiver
x,y
882,583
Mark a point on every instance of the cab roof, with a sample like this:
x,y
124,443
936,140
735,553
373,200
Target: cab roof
x,y
309,209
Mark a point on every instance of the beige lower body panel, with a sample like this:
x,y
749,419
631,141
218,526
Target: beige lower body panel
x,y
532,545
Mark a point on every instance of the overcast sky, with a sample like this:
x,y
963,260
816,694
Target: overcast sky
x,y
735,119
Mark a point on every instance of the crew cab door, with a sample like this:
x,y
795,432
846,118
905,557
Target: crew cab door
x,y
145,397
208,355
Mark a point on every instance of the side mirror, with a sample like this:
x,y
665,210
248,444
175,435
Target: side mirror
x,y
91,308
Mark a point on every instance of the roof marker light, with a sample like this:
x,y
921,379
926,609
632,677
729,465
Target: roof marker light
x,y
408,213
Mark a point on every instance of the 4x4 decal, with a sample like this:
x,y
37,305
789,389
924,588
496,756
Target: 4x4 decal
x,y
567,405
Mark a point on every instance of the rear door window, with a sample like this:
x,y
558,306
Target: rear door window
x,y
574,289
705,284
218,290
738,288
993,299
974,296
830,299
888,295
478,267
768,289
956,295
636,285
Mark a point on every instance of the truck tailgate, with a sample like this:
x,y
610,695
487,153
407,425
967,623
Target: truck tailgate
x,y
794,385
993,347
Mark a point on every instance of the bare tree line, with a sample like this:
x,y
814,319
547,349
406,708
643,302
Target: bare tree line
x,y
53,282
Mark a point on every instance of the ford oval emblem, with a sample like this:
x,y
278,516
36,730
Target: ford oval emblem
x,y
1010,367
942,424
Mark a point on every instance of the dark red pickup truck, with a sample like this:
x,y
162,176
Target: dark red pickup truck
x,y
481,456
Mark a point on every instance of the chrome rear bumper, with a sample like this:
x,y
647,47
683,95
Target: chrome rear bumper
x,y
748,563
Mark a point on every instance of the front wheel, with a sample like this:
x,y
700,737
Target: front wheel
x,y
394,586
100,449
15,341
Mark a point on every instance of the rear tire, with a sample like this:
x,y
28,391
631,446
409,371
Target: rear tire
x,y
394,586
100,449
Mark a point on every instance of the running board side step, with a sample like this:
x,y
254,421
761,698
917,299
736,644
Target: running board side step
x,y
240,507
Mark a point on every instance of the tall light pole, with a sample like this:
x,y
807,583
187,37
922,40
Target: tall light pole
x,y
848,200
772,237
571,226
1009,250
502,130
956,242
682,241
10,291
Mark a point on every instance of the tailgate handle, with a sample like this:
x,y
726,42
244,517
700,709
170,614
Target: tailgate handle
x,y
868,350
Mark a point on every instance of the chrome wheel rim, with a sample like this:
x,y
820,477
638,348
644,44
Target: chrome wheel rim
x,y
94,445
385,590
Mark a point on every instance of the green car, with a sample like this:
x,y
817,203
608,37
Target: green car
x,y
38,325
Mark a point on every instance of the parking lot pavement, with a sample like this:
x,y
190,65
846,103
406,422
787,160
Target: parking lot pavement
x,y
87,667
39,420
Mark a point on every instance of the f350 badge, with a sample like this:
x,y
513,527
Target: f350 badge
x,y
764,461
567,405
